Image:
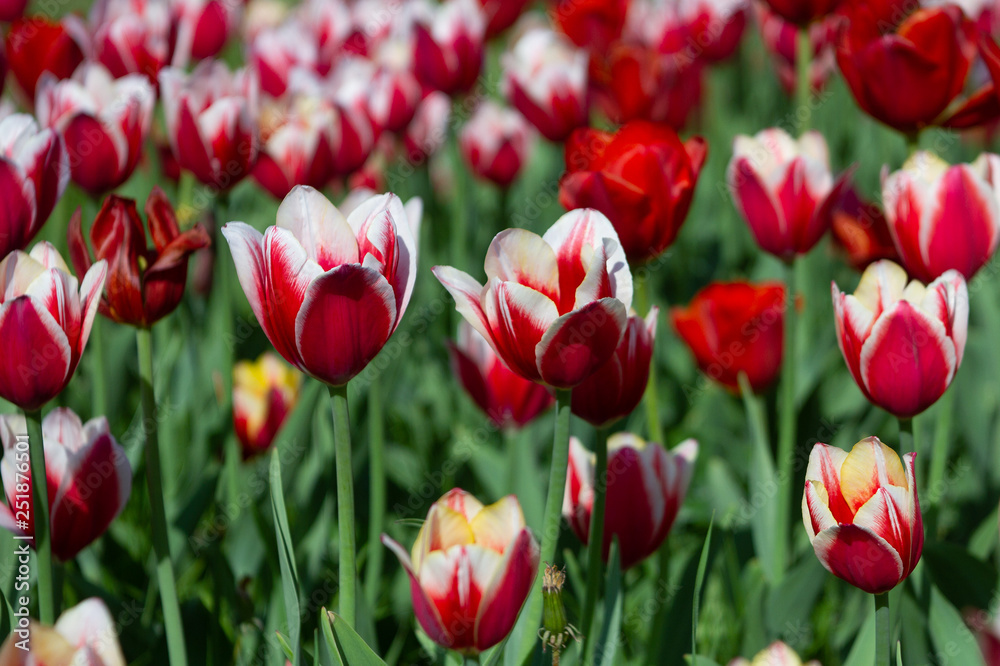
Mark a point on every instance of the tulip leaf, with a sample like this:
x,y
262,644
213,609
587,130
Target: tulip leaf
x,y
609,640
950,636
790,603
352,647
286,559
763,484
329,654
899,653
699,581
285,646
963,579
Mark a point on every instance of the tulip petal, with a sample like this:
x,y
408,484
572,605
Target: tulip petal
x,y
824,469
505,593
869,466
635,505
884,515
37,354
519,318
455,581
288,274
444,527
947,299
468,295
90,623
578,343
321,229
860,557
578,498
247,247
425,610
90,297
758,207
967,242
497,524
520,256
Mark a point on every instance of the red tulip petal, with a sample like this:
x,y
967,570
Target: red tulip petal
x,y
506,592
578,343
518,317
468,296
522,257
961,228
759,208
37,355
860,557
427,614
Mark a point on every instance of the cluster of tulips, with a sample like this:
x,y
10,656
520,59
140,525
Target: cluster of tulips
x,y
334,96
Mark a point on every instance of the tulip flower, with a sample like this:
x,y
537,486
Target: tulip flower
x,y
144,284
471,568
775,654
264,393
554,306
36,45
131,36
780,38
902,342
642,177
45,320
448,46
89,478
355,132
905,69
545,78
328,291
496,143
501,14
211,117
646,485
784,190
200,28
395,91
862,514
734,327
275,52
103,121
803,12
85,634
510,401
592,24
704,30
944,217
428,130
35,171
861,231
11,10
617,387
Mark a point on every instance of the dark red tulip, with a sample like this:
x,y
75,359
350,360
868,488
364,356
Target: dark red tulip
x,y
860,230
448,46
802,12
11,10
36,45
642,178
144,284
592,24
501,14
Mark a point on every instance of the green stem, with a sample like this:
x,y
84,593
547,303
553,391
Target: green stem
x,y
939,459
803,79
223,288
651,398
345,503
99,399
376,493
883,640
161,541
553,514
595,541
912,143
40,511
786,425
907,442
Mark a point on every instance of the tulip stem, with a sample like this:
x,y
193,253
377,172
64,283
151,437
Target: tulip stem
x,y
803,79
99,399
553,515
154,482
883,640
595,541
345,503
376,493
786,426
907,443
652,394
40,511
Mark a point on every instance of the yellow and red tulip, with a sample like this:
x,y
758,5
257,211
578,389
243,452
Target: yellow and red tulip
x,y
264,392
85,634
775,654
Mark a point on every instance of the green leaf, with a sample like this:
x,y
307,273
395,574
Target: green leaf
x,y
609,640
899,653
963,579
763,489
790,603
354,650
863,651
699,581
694,660
285,646
327,648
286,557
949,634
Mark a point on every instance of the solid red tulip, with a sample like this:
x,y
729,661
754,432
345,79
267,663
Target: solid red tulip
x,y
860,231
862,514
103,121
942,216
131,36
84,634
45,320
11,10
592,24
646,485
264,393
36,45
509,400
554,306
471,568
328,290
144,284
642,177
903,342
496,143
617,387
734,327
448,46
783,189
803,12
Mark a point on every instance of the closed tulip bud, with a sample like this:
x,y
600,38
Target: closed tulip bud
x,y
85,634
297,144
448,46
510,401
264,393
144,284
132,36
103,121
944,217
642,177
617,387
211,117
902,342
776,654
860,231
545,78
328,290
554,307
470,570
201,28
646,485
45,320
275,52
496,143
705,30
862,515
734,327
36,45
89,478
395,91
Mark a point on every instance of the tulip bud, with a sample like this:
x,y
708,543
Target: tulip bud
x,y
593,24
132,36
496,143
802,12
84,634
448,46
862,514
36,45
264,393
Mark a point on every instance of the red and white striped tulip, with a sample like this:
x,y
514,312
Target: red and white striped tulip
x,y
902,342
944,217
103,121
211,116
496,143
131,36
646,485
86,634
88,473
448,45
395,91
45,320
428,130
545,78
201,28
275,52
775,654
34,172
784,189
471,568
264,393
328,290
296,144
554,307
862,514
